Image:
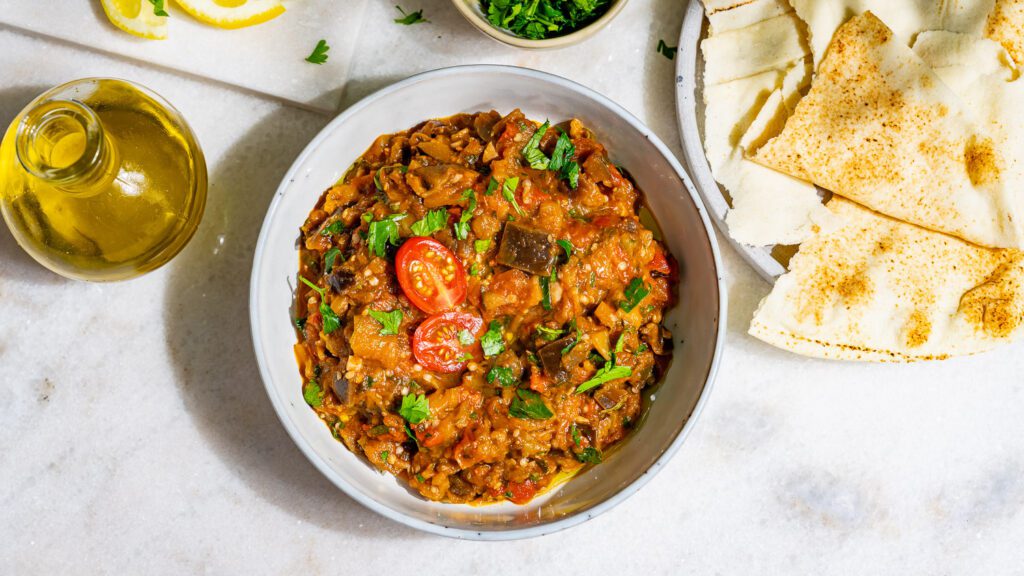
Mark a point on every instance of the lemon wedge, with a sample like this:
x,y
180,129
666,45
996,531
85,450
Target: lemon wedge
x,y
232,13
136,17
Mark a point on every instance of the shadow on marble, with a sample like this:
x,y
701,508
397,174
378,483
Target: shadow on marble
x,y
15,263
208,334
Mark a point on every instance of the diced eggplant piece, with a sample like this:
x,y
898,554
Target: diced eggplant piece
x,y
339,385
526,249
551,359
340,280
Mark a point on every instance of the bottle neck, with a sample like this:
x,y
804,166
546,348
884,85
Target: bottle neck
x,y
62,142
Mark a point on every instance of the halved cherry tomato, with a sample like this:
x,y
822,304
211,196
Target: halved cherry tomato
x,y
436,343
522,492
430,274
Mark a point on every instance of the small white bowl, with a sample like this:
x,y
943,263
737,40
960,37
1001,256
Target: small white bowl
x,y
697,322
472,11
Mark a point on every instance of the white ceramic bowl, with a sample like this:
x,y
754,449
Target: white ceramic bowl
x,y
697,322
476,16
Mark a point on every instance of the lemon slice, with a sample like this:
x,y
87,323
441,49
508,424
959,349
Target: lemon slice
x,y
232,13
136,17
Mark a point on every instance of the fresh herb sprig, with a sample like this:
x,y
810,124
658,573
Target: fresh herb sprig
x,y
319,55
529,405
331,320
158,8
410,18
389,321
666,50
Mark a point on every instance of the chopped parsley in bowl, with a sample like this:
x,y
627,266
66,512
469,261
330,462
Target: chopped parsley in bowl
x,y
540,19
539,24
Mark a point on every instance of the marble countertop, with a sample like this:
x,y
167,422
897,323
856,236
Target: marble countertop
x,y
136,437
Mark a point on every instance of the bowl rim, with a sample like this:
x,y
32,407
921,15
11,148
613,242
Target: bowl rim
x,y
281,405
505,37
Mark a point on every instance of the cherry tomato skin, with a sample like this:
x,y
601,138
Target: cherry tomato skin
x,y
436,345
430,274
521,492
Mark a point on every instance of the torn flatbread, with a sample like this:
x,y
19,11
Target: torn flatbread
x,y
726,15
880,128
878,289
1006,25
905,18
772,44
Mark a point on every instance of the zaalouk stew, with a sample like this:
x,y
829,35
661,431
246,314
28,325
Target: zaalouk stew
x,y
480,306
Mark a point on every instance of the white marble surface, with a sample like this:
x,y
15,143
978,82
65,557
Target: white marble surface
x,y
135,436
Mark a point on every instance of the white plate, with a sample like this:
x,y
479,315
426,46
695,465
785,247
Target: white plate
x,y
690,109
698,322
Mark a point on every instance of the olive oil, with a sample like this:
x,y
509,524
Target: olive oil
x,y
101,179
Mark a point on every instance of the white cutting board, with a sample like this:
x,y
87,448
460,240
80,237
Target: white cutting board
x,y
268,58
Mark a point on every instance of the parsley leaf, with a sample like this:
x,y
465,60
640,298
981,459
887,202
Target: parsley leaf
x,y
158,8
311,394
532,151
641,348
410,18
545,291
508,190
549,334
390,321
575,435
462,226
331,320
606,374
330,257
319,55
384,455
465,338
481,246
415,408
503,375
567,246
434,220
474,270
589,455
383,232
336,227
666,50
492,341
634,293
491,186
562,160
529,405
300,323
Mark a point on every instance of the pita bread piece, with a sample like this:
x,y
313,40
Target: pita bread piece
x,y
877,289
1006,25
880,128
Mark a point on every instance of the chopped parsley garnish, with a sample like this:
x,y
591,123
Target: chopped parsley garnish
x,y
410,18
465,338
589,455
562,161
409,433
474,270
491,186
300,323
390,321
539,19
421,479
492,341
549,334
336,227
532,151
567,246
330,257
481,246
434,220
379,430
383,232
666,50
605,374
579,336
311,394
529,405
575,435
379,174
503,375
331,320
508,190
462,226
620,342
158,8
634,293
319,55
466,357
641,348
545,292
384,455
415,408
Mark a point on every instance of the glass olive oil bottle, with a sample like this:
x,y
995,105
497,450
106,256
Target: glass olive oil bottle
x,y
101,179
